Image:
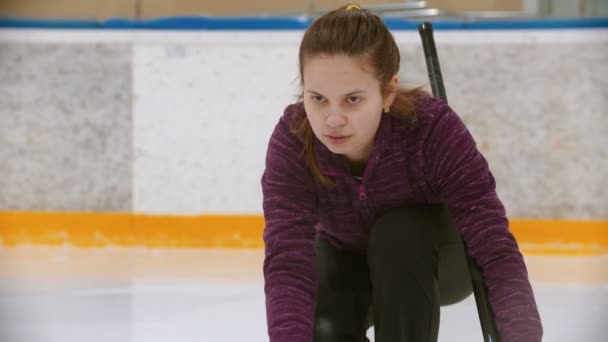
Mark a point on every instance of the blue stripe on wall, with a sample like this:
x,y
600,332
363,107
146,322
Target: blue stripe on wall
x,y
293,23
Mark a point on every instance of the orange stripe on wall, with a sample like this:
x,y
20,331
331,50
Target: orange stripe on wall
x,y
561,236
244,231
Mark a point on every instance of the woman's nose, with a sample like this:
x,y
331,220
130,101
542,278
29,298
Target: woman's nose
x,y
335,119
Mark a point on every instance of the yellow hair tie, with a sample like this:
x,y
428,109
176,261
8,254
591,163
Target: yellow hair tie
x,y
353,7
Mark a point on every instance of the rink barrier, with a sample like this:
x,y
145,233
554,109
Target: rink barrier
x,y
535,236
293,23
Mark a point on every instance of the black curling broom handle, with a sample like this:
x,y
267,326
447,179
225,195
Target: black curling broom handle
x,y
486,316
432,61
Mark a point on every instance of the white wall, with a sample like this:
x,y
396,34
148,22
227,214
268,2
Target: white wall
x,y
203,114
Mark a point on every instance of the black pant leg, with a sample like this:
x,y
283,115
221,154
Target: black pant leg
x,y
454,275
403,263
343,295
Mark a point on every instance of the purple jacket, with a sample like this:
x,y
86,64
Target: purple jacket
x,y
433,159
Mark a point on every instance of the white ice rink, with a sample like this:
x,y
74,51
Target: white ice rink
x,y
138,295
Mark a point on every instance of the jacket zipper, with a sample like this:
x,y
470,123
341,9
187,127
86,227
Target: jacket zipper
x,y
362,194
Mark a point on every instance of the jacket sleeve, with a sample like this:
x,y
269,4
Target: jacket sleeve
x,y
460,175
290,214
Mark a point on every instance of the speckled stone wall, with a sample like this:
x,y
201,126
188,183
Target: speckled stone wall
x,y
65,132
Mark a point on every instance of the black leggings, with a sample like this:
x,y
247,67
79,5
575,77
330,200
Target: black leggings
x,y
409,249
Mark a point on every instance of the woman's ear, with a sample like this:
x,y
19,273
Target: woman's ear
x,y
391,91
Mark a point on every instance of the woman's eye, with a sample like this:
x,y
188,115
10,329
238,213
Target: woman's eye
x,y
354,100
317,98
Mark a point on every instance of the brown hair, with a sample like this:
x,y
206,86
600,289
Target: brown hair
x,y
353,32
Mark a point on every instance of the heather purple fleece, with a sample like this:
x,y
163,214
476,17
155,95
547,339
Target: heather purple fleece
x,y
433,159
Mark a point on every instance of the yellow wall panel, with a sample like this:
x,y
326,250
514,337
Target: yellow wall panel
x,y
67,9
103,9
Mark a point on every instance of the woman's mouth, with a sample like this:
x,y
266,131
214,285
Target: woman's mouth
x,y
337,139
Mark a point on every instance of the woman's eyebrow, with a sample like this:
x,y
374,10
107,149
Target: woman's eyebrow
x,y
349,94
356,92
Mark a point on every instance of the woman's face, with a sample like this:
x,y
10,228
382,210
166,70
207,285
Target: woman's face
x,y
344,104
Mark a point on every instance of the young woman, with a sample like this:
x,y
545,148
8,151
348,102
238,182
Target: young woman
x,y
358,177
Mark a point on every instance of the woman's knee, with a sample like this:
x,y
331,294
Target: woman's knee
x,y
403,229
403,242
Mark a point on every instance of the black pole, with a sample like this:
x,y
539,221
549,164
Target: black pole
x,y
486,315
432,61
